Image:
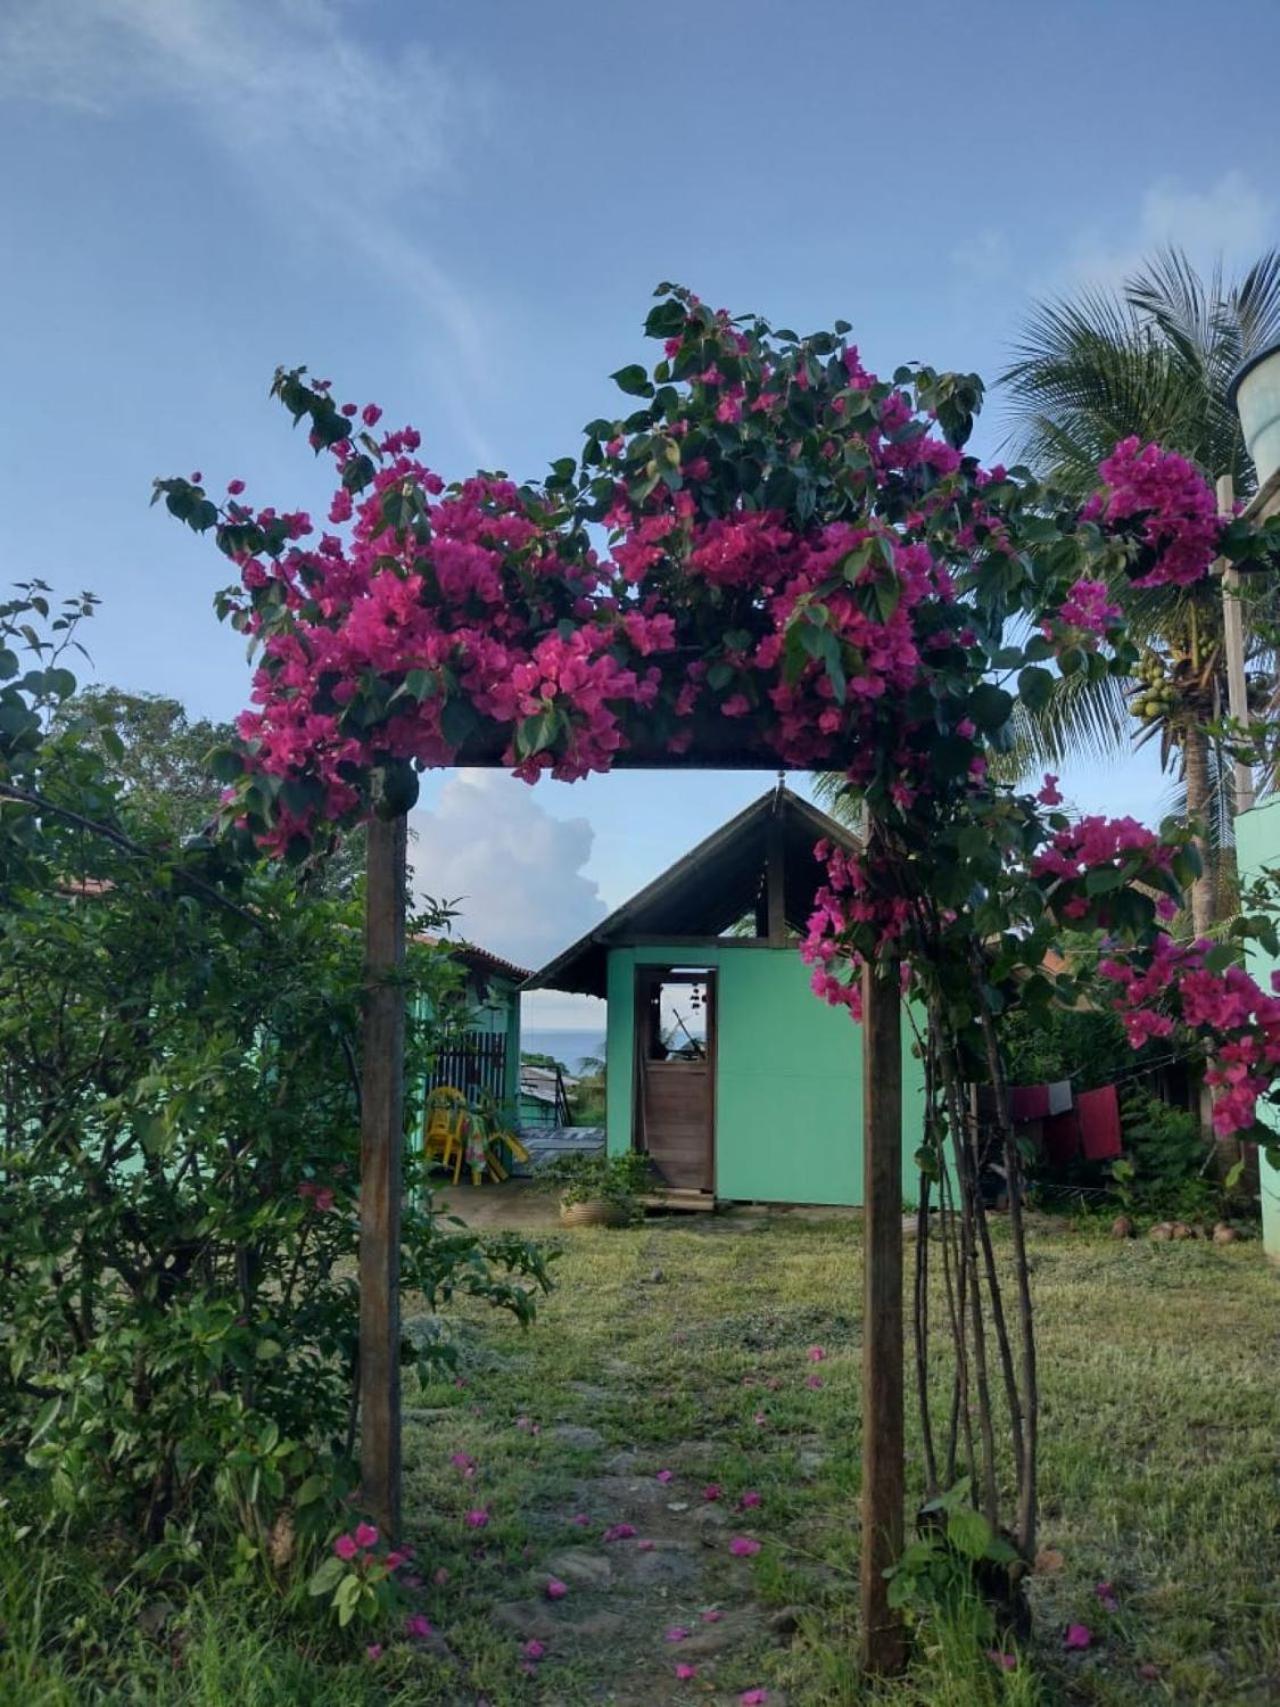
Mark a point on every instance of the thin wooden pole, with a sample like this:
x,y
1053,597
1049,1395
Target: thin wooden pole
x,y
883,1472
1233,645
381,1148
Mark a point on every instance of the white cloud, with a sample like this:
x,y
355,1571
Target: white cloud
x,y
516,872
985,256
1231,218
339,136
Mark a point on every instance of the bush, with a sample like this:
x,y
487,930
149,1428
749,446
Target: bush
x,y
615,1180
179,1116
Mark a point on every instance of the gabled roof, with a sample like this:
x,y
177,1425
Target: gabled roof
x,y
478,959
710,888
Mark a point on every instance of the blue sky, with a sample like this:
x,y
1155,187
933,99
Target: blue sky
x,y
461,211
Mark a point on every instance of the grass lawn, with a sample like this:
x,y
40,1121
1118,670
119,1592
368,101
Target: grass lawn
x,y
682,1347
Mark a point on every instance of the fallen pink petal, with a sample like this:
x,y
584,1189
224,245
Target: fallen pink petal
x,y
619,1532
749,1500
477,1519
644,1546
753,1698
1107,1597
677,1633
686,1673
1006,1662
817,1354
712,1615
712,1491
815,1381
418,1626
373,1651
581,1521
1077,1636
555,1589
665,1475
759,1419
743,1546
533,1649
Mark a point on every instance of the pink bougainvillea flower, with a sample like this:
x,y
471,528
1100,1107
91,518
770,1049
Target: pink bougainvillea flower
x,y
750,1499
619,1532
817,1354
555,1589
373,1651
235,487
712,1615
686,1673
1048,795
366,1535
196,478
417,1626
533,1649
753,1698
1006,1662
395,1559
665,1476
677,1633
346,1546
477,1519
712,1491
1077,1636
815,1381
371,414
743,1546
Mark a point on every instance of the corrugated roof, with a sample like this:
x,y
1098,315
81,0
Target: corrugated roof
x,y
709,889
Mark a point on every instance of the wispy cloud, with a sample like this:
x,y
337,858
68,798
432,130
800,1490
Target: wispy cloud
x,y
336,131
1231,218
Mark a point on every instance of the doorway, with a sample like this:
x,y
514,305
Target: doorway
x,y
675,1078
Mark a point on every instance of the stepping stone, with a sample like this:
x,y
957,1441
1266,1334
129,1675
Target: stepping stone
x,y
580,1567
733,1630
624,1463
667,1564
577,1436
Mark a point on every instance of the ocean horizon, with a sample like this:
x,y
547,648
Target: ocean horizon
x,y
569,1047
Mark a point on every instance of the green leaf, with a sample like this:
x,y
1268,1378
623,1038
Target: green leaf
x,y
667,320
634,380
990,707
969,1533
1034,687
328,1576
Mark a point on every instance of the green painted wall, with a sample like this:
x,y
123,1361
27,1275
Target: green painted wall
x,y
1258,845
788,1077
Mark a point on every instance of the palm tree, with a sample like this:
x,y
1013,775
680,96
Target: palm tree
x,y
1153,360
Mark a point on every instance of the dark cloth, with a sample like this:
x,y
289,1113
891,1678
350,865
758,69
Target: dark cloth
x,y
1062,1138
1028,1102
1099,1124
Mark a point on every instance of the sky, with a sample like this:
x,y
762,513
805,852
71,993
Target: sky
x,y
461,211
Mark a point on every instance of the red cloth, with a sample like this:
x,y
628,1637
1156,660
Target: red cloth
x,y
1062,1138
1099,1124
1028,1102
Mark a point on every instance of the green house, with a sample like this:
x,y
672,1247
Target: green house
x,y
722,1065
1258,850
483,1060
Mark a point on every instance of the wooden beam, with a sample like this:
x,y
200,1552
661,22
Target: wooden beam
x,y
776,880
883,1474
381,1157
1233,649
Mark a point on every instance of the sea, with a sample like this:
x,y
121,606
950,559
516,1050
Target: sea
x,y
567,1047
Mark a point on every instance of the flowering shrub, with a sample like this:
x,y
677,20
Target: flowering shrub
x,y
775,557
178,1140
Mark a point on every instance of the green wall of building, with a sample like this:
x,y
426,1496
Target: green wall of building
x,y
788,1077
1258,846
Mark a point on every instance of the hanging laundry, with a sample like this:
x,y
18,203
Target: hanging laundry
x,y
1099,1113
1028,1102
1062,1138
1060,1096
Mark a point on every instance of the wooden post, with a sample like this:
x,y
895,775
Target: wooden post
x,y
883,1470
381,1152
1233,646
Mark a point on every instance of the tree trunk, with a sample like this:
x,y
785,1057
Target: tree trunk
x,y
1196,761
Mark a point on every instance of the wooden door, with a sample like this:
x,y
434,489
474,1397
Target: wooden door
x,y
675,1122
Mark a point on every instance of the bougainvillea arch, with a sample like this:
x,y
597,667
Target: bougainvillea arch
x,y
773,557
